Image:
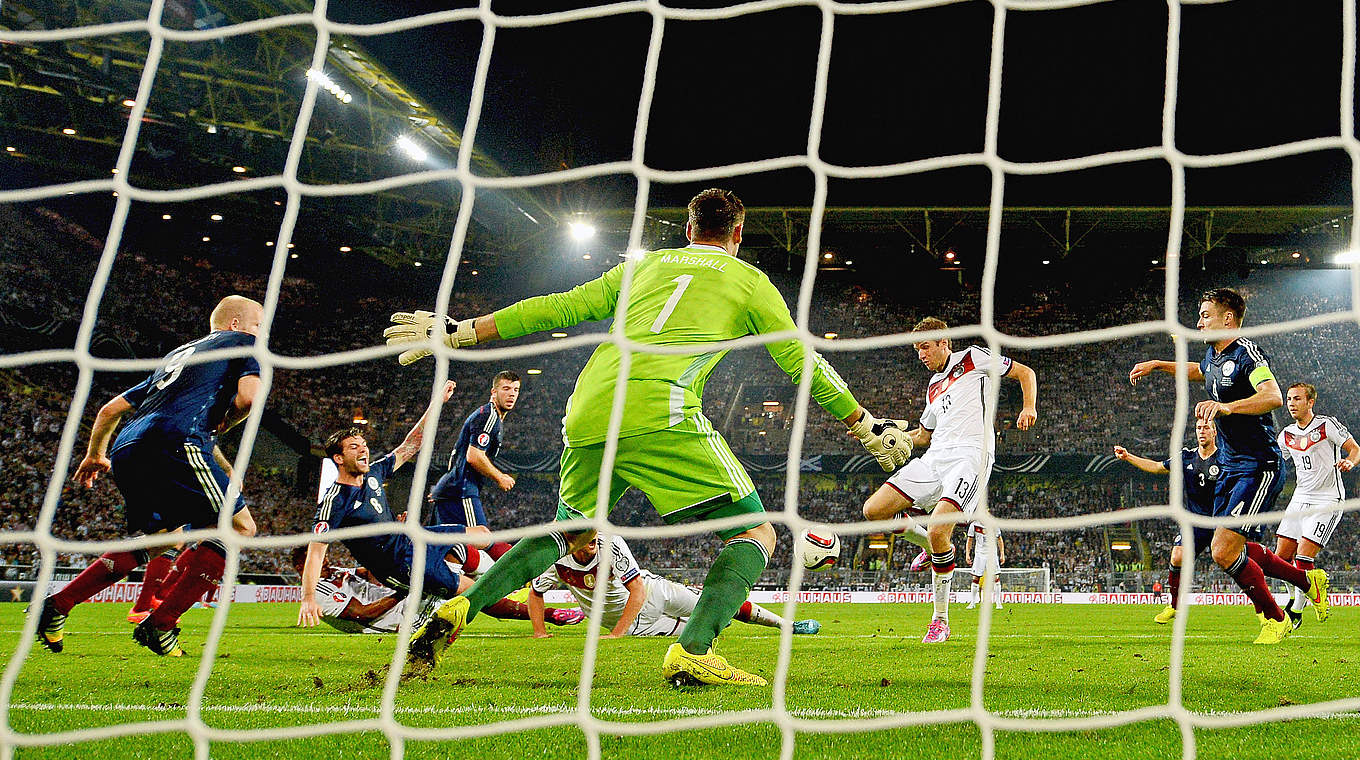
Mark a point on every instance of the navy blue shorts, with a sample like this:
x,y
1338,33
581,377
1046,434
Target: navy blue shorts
x,y
440,579
166,488
464,510
1241,493
1202,538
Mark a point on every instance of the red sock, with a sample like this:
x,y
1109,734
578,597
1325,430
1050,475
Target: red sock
x,y
108,570
744,614
1253,583
156,571
507,609
1303,563
201,570
1272,565
1173,585
498,549
473,559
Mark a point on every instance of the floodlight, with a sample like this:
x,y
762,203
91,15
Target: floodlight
x,y
1347,257
581,230
411,148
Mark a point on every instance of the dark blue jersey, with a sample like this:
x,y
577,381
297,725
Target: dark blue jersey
x,y
1201,476
481,429
185,402
1245,441
343,506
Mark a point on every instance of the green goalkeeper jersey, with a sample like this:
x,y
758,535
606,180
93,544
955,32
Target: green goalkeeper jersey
x,y
679,297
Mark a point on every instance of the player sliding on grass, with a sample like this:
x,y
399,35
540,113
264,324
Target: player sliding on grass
x,y
636,602
691,296
1242,394
955,470
1202,469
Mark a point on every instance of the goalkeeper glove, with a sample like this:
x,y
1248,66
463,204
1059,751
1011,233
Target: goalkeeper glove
x,y
417,327
886,440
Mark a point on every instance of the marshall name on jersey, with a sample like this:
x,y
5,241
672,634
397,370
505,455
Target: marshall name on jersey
x,y
1315,449
956,400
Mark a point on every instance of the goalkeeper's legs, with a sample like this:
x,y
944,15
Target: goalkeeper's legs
x,y
728,583
526,560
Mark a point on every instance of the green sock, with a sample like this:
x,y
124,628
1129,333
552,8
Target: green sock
x,y
729,581
526,560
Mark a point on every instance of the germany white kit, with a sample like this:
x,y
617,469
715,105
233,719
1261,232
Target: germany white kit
x,y
334,592
958,463
668,604
1315,449
984,549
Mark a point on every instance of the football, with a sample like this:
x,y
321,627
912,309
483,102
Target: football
x,y
820,548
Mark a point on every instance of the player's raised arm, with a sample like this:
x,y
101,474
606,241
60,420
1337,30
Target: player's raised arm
x,y
1029,393
1143,369
1352,458
96,461
1142,463
309,614
410,447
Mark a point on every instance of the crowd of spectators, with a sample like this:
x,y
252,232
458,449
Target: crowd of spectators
x,y
1086,404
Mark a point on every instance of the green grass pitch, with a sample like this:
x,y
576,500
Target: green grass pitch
x,y
1045,662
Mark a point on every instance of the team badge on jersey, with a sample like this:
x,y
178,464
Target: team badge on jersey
x,y
1228,367
373,483
483,440
588,580
1315,436
320,527
1213,470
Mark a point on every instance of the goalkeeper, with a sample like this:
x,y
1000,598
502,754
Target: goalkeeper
x,y
690,296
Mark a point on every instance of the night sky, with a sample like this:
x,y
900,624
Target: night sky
x,y
903,86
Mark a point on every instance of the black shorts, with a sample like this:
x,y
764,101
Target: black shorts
x,y
167,488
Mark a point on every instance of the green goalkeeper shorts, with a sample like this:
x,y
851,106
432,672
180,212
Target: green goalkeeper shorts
x,y
687,471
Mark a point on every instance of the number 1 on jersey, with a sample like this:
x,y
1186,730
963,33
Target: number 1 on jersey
x,y
671,302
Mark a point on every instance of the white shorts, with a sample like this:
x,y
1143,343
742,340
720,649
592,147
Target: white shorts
x,y
980,560
956,475
666,610
1317,527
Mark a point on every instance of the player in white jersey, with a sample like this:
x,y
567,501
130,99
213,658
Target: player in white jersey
x,y
636,602
948,479
982,549
1322,448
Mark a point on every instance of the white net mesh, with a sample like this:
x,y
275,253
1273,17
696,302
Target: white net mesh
x,y
779,713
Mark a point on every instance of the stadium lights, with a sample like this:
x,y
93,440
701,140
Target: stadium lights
x,y
878,544
534,371
1263,261
1120,546
239,169
581,230
559,335
769,403
329,85
585,256
1155,262
1044,262
269,244
292,255
1347,257
830,335
417,263
114,170
849,263
290,245
68,131
1295,254
216,217
10,148
474,272
206,239
166,217
345,249
950,256
212,129
826,256
410,148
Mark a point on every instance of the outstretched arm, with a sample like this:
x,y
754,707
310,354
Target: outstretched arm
x,y
536,615
309,614
637,596
1142,463
410,447
1143,369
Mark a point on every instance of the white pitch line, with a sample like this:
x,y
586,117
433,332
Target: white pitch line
x,y
598,711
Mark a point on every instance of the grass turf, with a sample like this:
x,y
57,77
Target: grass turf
x,y
1045,663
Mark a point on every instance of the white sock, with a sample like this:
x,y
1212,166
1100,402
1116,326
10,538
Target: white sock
x,y
915,533
974,598
762,616
941,584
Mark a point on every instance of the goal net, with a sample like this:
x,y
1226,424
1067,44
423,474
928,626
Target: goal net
x,y
791,717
